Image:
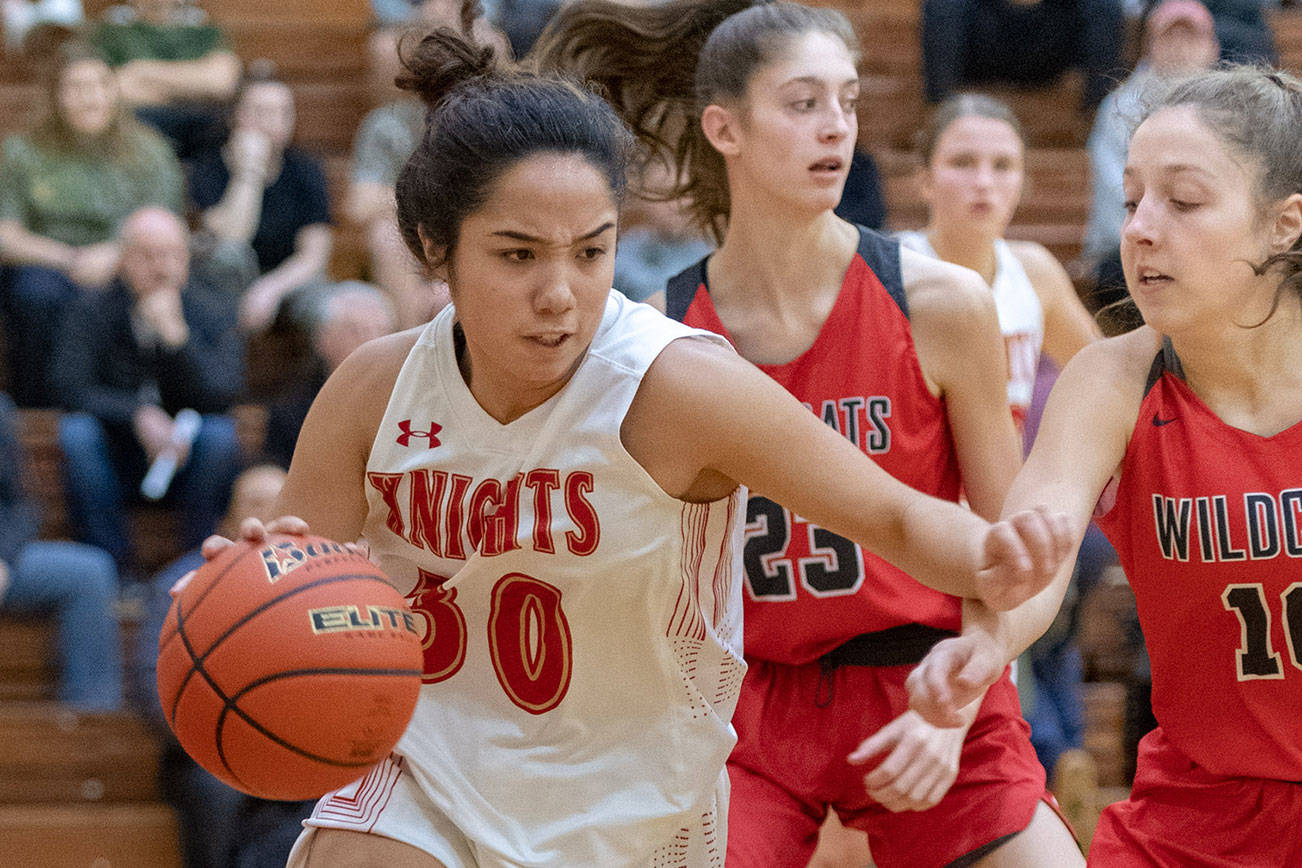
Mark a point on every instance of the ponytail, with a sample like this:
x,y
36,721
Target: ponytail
x,y
660,65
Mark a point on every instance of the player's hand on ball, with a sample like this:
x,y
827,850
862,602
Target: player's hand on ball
x,y
1020,556
954,674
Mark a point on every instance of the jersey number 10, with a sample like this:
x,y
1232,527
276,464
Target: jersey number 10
x,y
1256,658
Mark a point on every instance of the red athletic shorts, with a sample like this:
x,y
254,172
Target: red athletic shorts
x,y
789,767
1181,814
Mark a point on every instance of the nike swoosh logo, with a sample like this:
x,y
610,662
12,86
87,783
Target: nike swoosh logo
x,y
1158,422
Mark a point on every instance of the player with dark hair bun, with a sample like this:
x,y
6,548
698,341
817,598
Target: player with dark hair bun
x,y
553,476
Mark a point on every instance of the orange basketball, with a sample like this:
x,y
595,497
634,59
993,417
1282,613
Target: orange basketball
x,y
289,668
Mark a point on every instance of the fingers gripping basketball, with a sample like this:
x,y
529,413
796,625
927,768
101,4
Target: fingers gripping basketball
x,y
288,668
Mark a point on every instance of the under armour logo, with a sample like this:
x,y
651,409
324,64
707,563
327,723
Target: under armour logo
x,y
404,439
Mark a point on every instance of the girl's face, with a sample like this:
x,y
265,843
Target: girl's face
x,y
529,276
1193,226
975,175
88,97
794,136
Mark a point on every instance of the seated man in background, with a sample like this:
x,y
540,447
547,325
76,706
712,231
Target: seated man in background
x,y
258,193
76,583
220,827
175,69
342,317
128,362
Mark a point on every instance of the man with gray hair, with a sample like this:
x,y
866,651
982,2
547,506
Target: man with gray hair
x,y
147,370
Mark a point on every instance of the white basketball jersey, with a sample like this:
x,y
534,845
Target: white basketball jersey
x,y
583,657
1021,319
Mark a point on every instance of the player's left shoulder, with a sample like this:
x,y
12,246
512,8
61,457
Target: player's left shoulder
x,y
1039,263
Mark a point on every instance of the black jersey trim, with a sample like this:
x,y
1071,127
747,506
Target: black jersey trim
x,y
881,253
1165,360
682,288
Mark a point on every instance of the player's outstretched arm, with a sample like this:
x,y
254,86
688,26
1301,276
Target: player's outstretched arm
x,y
1081,441
326,486
703,411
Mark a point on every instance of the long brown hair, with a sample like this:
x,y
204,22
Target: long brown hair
x,y
54,131
661,64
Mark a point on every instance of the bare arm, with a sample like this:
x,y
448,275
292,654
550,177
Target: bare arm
x,y
367,201
310,260
248,158
21,247
696,433
326,485
1081,441
213,76
956,332
1068,326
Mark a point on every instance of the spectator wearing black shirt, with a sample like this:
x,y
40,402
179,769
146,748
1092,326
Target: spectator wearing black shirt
x,y
257,192
128,361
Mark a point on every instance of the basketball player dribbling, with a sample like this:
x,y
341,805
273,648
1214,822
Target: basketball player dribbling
x,y
553,475
897,352
1183,437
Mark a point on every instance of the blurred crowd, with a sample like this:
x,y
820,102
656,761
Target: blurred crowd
x,y
165,257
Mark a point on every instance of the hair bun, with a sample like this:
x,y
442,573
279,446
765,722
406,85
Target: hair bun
x,y
439,61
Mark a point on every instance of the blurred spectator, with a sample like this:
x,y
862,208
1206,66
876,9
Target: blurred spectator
x,y
220,827
344,316
22,17
387,136
128,361
1178,38
75,582
1243,31
265,202
1028,42
175,69
64,190
385,140
657,240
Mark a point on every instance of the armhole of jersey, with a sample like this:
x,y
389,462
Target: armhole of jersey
x,y
1165,360
882,256
681,289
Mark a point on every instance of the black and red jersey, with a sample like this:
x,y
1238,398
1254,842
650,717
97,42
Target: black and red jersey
x,y
809,590
1208,525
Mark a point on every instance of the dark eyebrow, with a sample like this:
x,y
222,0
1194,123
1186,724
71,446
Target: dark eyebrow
x,y
813,79
530,239
1178,168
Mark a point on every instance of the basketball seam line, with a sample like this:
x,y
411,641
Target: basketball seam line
x,y
197,661
231,706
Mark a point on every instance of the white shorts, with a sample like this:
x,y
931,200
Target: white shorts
x,y
388,802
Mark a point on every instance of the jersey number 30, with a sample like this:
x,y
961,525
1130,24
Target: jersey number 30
x,y
528,637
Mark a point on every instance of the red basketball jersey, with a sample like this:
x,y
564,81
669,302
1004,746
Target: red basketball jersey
x,y
1208,525
809,590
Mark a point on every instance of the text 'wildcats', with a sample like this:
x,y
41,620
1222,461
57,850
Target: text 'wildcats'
x,y
450,514
1267,526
